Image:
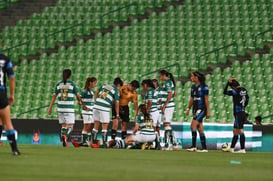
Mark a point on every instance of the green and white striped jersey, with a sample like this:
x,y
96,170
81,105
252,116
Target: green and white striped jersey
x,y
160,97
88,100
65,95
151,96
145,126
169,87
107,94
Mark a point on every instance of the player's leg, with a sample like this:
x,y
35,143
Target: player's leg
x,y
115,123
168,135
202,137
194,125
241,131
125,118
6,120
70,121
235,134
156,124
86,129
63,129
95,130
105,119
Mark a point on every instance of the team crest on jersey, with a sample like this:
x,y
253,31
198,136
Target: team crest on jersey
x,y
2,63
242,93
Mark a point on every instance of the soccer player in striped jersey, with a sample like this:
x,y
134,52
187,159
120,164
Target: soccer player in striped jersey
x,y
65,91
143,131
168,108
240,101
6,70
200,103
88,99
160,101
106,95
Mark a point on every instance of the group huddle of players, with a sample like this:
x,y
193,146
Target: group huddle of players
x,y
158,106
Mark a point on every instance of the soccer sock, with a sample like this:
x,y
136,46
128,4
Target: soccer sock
x,y
89,135
194,135
1,130
157,141
203,141
123,134
12,140
94,135
63,131
113,134
173,140
68,131
104,136
84,136
234,140
242,140
167,134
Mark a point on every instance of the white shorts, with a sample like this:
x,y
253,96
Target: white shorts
x,y
87,119
142,138
156,118
67,118
168,115
101,116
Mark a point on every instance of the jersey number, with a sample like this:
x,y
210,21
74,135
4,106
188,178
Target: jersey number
x,y
1,77
103,94
64,94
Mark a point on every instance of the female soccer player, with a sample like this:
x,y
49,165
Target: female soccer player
x,y
200,103
143,131
240,101
5,102
168,107
87,96
106,95
65,91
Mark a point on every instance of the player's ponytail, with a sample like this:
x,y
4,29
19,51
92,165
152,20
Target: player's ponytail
x,y
143,109
168,74
66,75
87,82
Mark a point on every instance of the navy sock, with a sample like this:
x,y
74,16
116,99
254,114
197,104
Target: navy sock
x,y
123,134
113,134
194,135
234,140
1,130
12,140
242,140
203,141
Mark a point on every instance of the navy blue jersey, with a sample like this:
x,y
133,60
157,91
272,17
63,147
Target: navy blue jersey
x,y
198,93
240,98
5,70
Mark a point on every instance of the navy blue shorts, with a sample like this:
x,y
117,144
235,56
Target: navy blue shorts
x,y
199,114
4,102
240,118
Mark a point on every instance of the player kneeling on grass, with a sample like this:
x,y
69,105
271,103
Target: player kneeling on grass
x,y
240,101
143,131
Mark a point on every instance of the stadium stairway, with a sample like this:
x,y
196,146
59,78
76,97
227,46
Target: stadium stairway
x,y
109,29
22,10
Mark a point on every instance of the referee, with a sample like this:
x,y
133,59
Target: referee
x,y
5,118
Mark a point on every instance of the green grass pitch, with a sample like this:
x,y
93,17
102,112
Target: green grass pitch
x,y
44,162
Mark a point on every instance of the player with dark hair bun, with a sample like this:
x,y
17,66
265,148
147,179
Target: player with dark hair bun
x,y
199,102
240,101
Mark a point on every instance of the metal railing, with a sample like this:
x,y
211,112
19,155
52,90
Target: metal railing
x,y
119,11
33,110
268,116
166,67
260,34
16,46
63,31
216,51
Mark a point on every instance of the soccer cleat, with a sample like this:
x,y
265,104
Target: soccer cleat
x,y
64,140
95,145
241,151
16,153
1,144
75,144
192,149
231,150
202,151
175,148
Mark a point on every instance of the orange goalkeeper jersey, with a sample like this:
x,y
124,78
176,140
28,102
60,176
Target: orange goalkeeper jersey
x,y
126,96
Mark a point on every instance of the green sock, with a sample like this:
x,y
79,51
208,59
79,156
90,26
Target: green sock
x,y
63,131
69,130
84,137
89,135
94,135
